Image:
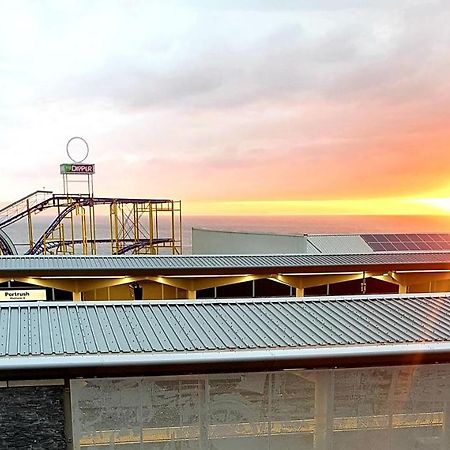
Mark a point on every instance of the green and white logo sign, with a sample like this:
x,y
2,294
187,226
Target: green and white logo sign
x,y
81,169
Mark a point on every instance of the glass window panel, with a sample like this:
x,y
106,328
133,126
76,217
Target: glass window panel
x,y
376,408
238,411
129,412
292,411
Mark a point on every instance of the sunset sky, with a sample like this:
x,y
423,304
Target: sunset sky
x,y
234,107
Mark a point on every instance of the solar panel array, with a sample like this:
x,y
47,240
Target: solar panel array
x,y
407,242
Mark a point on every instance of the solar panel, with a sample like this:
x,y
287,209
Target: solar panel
x,y
389,242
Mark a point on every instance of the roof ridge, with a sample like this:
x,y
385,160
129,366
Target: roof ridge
x,y
219,301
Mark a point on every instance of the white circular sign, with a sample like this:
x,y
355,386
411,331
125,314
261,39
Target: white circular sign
x,y
77,149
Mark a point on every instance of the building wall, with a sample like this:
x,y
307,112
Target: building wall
x,y
32,417
207,242
378,408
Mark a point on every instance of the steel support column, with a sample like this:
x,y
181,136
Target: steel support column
x,y
324,407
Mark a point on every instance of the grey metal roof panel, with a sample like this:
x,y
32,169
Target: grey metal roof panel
x,y
184,328
337,244
311,249
191,264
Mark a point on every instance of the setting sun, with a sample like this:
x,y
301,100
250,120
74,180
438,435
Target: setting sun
x,y
442,205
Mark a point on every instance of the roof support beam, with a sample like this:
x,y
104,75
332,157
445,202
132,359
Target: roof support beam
x,y
320,280
101,283
306,281
295,281
62,284
388,278
196,283
199,283
420,278
402,288
206,283
186,283
180,283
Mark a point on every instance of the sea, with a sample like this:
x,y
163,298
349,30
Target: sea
x,y
298,224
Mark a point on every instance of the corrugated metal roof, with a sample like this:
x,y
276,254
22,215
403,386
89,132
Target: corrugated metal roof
x,y
204,264
337,244
154,328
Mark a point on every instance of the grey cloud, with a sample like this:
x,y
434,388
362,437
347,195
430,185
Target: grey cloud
x,y
137,88
300,5
285,63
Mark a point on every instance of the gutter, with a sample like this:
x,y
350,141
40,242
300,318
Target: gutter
x,y
300,357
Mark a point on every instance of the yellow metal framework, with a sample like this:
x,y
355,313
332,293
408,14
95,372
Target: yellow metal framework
x,y
148,226
137,227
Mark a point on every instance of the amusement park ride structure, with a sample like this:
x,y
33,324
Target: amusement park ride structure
x,y
136,225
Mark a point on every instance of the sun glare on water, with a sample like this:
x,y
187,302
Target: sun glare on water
x,y
371,206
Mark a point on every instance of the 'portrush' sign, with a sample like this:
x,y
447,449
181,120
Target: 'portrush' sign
x,y
81,169
20,295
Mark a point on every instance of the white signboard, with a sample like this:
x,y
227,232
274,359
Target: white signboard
x,y
20,295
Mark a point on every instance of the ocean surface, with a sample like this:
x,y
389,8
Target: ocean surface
x,y
268,224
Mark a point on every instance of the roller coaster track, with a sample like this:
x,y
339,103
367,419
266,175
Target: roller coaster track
x,y
42,200
38,247
36,201
142,243
7,246
131,244
19,209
